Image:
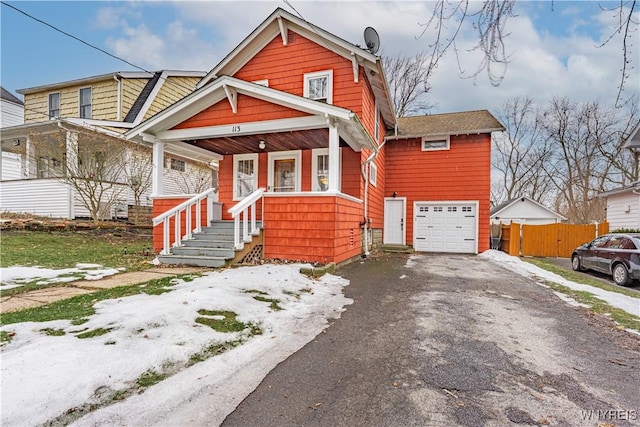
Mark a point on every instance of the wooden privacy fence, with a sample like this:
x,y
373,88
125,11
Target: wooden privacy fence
x,y
549,240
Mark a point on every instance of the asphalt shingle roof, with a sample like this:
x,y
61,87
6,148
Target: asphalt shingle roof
x,y
448,124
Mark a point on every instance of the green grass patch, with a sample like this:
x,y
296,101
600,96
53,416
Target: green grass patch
x,y
94,333
53,332
579,278
272,301
66,249
77,309
599,306
150,378
5,337
228,323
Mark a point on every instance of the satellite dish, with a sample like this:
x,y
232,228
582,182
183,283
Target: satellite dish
x,y
372,40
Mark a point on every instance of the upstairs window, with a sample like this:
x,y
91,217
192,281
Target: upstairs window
x,y
319,86
435,144
85,103
54,105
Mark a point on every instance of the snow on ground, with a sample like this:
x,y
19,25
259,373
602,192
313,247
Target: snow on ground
x,y
627,303
12,277
43,376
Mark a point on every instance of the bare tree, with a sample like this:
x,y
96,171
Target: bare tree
x,y
488,18
198,178
92,164
408,78
137,174
519,152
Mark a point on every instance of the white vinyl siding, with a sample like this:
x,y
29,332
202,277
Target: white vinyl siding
x,y
623,210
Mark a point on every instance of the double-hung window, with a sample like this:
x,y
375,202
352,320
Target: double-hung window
x,y
54,105
320,169
245,175
319,86
85,103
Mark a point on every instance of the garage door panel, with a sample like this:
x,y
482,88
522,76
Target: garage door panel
x,y
445,227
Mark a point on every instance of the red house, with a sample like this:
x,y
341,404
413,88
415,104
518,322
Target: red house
x,y
313,164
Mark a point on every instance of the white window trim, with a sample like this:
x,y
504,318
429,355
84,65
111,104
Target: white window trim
x,y
59,103
80,102
264,82
314,167
373,174
236,158
445,138
282,155
327,73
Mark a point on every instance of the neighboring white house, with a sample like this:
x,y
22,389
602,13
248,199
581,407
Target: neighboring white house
x,y
623,207
11,114
623,204
523,210
103,106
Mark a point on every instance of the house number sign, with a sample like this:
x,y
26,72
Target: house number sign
x,y
235,129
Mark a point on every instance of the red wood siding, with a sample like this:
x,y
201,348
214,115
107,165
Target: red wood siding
x,y
461,173
249,110
312,228
160,206
285,66
351,178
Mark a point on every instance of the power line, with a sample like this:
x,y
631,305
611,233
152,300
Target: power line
x,y
71,35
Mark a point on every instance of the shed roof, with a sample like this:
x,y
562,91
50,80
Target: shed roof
x,y
465,122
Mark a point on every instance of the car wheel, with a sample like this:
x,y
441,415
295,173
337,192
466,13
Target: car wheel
x,y
620,274
576,264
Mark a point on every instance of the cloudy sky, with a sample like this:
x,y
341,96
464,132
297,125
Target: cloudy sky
x,y
553,46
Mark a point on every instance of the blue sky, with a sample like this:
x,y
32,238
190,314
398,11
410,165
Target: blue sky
x,y
552,45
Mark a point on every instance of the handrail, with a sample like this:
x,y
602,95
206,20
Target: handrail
x,y
198,197
176,213
242,210
246,202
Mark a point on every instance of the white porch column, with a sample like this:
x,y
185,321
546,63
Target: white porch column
x,y
29,159
72,151
157,183
334,158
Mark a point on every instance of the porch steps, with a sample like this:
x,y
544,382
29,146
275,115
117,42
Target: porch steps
x,y
404,249
213,247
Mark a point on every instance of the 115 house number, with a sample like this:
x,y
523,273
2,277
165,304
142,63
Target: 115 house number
x,y
235,129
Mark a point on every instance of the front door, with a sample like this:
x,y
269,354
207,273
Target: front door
x,y
394,221
284,171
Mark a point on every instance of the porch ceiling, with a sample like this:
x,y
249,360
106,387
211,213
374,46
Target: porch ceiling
x,y
277,141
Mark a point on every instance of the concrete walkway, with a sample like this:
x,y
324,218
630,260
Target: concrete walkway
x,y
40,297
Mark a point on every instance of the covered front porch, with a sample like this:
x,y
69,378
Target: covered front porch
x,y
296,181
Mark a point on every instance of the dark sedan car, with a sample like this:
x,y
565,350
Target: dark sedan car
x,y
615,254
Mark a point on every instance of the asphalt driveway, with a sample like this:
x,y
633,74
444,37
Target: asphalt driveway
x,y
436,340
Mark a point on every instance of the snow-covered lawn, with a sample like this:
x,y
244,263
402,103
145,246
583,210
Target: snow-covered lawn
x,y
624,302
15,276
43,376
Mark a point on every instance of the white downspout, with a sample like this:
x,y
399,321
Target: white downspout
x,y
119,99
365,175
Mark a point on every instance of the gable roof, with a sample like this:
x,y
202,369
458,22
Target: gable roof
x,y
633,141
507,204
226,89
279,23
8,96
634,187
109,76
465,122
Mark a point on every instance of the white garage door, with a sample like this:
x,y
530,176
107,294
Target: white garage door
x,y
445,227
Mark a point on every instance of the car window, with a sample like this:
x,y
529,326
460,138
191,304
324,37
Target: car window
x,y
615,243
600,242
627,244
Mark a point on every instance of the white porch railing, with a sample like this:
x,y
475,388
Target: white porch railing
x,y
176,213
243,211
